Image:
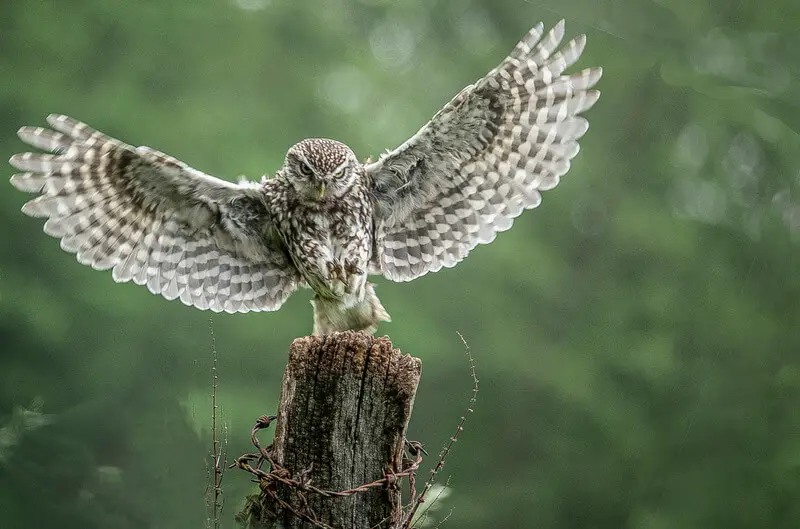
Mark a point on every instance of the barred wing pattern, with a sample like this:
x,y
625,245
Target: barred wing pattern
x,y
483,159
153,220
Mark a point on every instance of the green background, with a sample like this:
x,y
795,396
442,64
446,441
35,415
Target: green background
x,y
635,336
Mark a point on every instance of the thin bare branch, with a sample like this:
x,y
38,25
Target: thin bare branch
x,y
406,524
214,498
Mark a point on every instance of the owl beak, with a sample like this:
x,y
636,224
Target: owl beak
x,y
321,190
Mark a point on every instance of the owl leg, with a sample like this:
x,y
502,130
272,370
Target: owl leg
x,y
332,315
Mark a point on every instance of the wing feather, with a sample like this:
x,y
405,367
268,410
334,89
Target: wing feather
x,y
483,159
153,220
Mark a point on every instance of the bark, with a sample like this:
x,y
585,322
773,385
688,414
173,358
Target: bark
x,y
345,403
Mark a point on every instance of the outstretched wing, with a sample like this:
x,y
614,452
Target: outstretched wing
x,y
483,159
154,220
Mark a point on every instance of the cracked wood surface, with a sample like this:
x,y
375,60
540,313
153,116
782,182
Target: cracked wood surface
x,y
346,400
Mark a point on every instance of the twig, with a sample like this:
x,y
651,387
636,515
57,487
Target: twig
x,y
215,500
406,524
424,515
443,520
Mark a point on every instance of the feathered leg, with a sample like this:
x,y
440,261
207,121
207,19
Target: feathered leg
x,y
332,316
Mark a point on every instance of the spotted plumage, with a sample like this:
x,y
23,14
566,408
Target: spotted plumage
x,y
322,155
324,220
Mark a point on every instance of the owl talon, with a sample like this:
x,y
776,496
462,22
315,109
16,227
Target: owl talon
x,y
337,278
335,271
355,276
352,268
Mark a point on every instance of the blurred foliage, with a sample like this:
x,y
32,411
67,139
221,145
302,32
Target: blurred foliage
x,y
636,335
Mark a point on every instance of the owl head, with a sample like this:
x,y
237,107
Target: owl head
x,y
319,168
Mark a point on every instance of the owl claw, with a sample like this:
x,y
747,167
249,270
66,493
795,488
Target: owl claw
x,y
355,276
333,269
336,272
344,277
352,268
337,278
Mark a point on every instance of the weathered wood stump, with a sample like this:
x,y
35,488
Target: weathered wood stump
x,y
345,403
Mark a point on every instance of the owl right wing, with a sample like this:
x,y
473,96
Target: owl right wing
x,y
482,159
154,220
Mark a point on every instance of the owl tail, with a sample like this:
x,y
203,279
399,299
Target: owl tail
x,y
333,316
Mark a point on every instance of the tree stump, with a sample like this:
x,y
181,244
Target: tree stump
x,y
345,403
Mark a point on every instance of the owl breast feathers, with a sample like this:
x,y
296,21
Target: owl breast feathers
x,y
324,220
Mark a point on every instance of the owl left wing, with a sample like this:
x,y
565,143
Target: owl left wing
x,y
154,220
482,159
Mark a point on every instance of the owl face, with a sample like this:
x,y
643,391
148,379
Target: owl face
x,y
320,168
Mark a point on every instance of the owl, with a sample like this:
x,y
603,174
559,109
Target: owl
x,y
324,220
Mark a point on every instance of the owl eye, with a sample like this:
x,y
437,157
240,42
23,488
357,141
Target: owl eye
x,y
339,173
305,170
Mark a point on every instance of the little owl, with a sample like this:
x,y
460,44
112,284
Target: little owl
x,y
324,220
